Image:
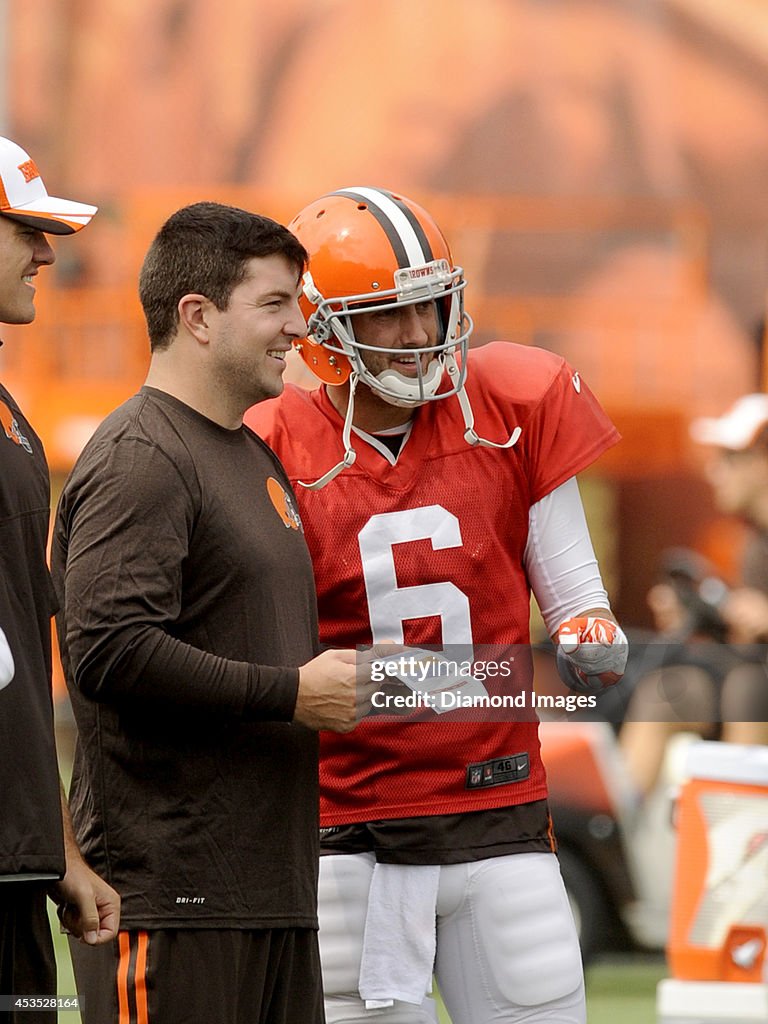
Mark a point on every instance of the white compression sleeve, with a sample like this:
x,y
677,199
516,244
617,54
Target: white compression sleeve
x,y
559,558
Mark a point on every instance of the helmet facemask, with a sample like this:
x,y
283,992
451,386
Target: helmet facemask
x,y
437,282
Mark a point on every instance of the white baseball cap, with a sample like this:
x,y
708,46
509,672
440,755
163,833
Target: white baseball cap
x,y
737,429
24,197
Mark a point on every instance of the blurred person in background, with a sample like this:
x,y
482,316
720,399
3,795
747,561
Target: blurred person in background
x,y
188,634
38,853
714,680
442,489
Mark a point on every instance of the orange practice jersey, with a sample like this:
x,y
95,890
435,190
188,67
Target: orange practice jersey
x,y
429,552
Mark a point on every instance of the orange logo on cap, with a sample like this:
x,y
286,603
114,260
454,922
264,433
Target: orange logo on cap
x,y
11,428
29,170
283,504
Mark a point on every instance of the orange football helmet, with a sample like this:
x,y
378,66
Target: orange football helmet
x,y
369,249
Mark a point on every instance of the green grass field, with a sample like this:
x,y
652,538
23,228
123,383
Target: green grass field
x,y
623,989
66,985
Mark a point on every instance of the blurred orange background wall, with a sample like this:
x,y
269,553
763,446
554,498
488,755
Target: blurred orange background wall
x,y
599,166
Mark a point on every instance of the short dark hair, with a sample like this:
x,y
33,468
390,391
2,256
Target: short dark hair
x,y
204,249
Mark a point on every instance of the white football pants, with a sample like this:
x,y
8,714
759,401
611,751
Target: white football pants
x,y
507,949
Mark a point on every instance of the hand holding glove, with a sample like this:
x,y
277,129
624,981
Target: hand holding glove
x,y
591,653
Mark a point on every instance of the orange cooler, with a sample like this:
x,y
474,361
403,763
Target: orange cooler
x,y
719,914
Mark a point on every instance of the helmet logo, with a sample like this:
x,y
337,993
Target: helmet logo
x,y
12,430
413,281
576,381
283,504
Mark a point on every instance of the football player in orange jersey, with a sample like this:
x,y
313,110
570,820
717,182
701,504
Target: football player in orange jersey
x,y
437,488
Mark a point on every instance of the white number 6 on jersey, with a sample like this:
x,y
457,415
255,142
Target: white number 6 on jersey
x,y
388,604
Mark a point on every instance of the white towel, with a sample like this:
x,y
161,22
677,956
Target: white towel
x,y
399,942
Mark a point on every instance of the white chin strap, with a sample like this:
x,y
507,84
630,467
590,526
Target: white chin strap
x,y
399,390
346,437
470,435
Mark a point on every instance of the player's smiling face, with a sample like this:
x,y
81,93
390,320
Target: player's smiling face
x,y
23,250
253,335
402,329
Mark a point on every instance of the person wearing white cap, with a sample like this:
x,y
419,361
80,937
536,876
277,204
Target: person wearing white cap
x,y
737,469
738,428
717,691
38,854
24,197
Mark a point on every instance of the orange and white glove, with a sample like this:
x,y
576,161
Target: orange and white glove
x,y
591,653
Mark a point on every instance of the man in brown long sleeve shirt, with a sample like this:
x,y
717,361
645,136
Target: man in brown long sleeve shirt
x,y
189,641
